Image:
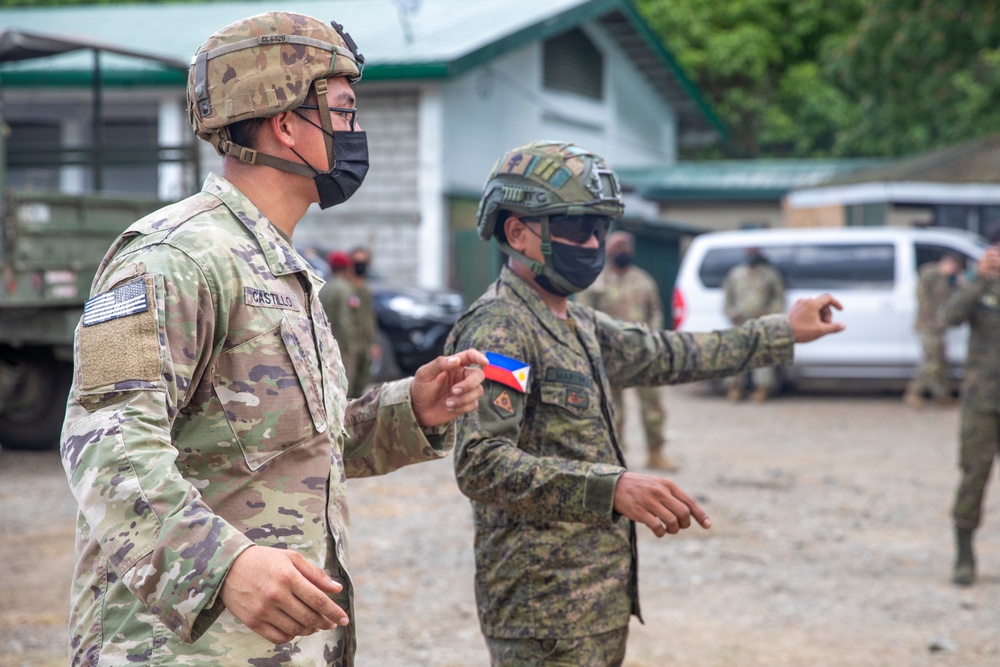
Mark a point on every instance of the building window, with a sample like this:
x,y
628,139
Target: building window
x,y
572,64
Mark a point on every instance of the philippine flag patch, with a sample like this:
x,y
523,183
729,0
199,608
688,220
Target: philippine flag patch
x,y
510,372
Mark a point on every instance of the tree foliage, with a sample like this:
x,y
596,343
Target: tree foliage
x,y
760,63
924,73
809,78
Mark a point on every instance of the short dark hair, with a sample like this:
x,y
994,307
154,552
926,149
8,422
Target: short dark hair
x,y
244,132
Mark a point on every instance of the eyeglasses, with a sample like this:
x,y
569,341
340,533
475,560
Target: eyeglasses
x,y
576,228
350,115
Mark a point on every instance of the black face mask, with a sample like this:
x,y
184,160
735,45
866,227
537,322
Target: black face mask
x,y
623,261
360,268
578,266
350,166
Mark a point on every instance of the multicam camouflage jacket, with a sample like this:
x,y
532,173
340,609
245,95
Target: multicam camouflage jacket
x,y
933,289
753,291
540,467
631,296
208,414
978,303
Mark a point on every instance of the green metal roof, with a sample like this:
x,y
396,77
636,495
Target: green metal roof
x,y
734,179
443,38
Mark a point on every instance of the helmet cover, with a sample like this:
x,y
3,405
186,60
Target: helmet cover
x,y
545,178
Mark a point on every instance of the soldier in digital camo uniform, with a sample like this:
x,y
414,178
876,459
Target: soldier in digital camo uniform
x,y
751,290
207,437
935,283
556,578
978,303
628,293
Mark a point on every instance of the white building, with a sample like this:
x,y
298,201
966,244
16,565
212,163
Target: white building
x,y
448,87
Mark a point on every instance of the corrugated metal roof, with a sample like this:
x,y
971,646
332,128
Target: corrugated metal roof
x,y
976,161
734,179
442,38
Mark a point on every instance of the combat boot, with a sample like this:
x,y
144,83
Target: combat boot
x,y
735,394
760,394
658,461
965,563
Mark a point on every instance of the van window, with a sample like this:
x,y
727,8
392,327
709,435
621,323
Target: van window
x,y
928,252
813,266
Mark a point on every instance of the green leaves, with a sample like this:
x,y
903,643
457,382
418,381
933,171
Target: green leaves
x,y
817,78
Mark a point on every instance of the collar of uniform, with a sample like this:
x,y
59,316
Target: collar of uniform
x,y
527,293
276,247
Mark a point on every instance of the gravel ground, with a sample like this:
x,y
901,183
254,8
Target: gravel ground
x,y
831,546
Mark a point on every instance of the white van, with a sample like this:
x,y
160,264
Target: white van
x,y
871,270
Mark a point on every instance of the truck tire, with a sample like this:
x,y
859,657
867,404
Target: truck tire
x,y
35,407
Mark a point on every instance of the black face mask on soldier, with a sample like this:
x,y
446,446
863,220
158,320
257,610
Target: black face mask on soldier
x,y
350,165
578,266
360,268
623,261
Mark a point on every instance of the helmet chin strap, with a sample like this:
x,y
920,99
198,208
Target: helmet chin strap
x,y
542,269
250,156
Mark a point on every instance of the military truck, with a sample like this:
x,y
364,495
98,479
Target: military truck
x,y
51,244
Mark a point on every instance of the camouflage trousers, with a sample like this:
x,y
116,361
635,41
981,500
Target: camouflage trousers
x,y
980,443
603,650
653,415
359,371
932,374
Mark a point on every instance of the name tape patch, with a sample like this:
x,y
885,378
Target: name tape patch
x,y
265,299
128,299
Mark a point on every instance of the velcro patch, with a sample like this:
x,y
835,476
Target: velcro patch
x,y
502,403
265,299
129,299
121,349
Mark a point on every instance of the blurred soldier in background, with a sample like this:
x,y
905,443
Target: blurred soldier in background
x,y
977,303
753,289
341,305
627,293
935,283
364,347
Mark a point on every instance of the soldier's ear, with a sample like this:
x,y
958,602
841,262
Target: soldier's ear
x,y
516,233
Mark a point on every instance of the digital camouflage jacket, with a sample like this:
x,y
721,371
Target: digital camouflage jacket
x,y
540,467
978,303
208,414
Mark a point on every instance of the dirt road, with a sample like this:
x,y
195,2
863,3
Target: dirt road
x,y
831,546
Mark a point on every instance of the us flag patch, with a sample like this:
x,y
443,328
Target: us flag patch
x,y
128,299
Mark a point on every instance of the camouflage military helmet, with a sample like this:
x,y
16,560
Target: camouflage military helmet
x,y
264,65
546,178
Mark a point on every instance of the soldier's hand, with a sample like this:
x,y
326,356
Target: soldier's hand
x,y
813,318
658,503
447,387
989,264
280,595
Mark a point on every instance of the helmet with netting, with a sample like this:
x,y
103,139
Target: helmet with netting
x,y
261,66
547,178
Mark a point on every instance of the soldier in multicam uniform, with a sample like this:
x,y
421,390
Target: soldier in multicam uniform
x,y
367,328
935,283
628,293
207,437
977,303
556,576
751,290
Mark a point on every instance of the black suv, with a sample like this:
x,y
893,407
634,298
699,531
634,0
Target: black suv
x,y
413,324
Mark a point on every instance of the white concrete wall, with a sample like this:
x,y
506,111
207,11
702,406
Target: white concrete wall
x,y
503,104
